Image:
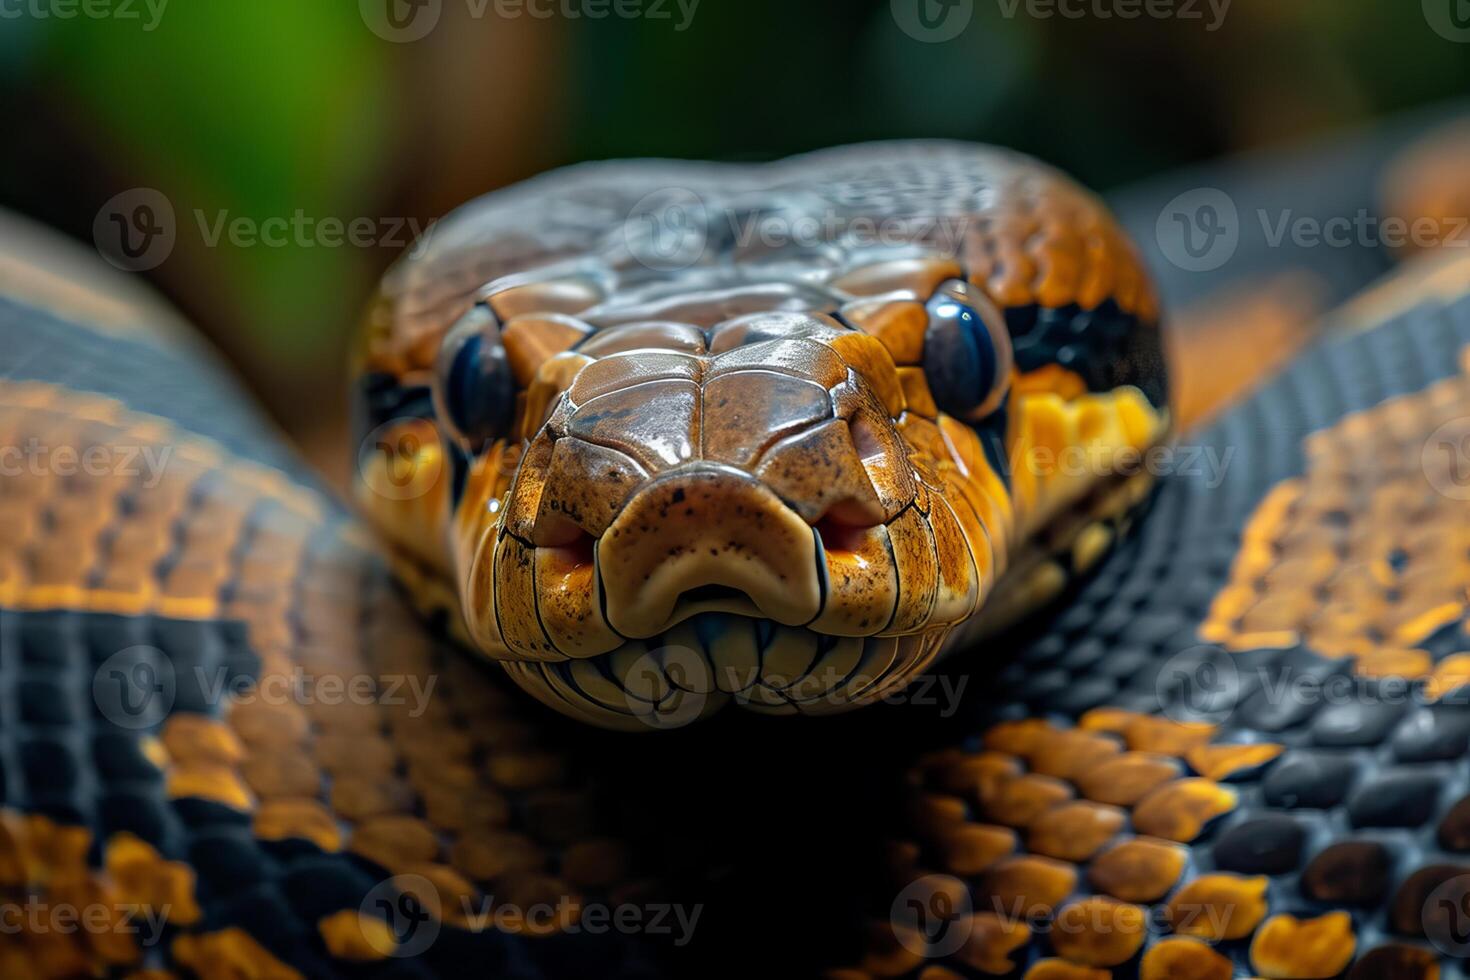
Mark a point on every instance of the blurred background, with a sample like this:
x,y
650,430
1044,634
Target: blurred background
x,y
391,112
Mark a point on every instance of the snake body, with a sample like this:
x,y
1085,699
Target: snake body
x,y
1233,746
779,430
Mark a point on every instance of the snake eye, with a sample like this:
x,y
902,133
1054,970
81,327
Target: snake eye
x,y
967,351
474,390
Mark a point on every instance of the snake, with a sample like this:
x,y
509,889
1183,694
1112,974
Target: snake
x,y
878,441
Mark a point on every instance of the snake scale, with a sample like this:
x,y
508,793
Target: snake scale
x,y
641,441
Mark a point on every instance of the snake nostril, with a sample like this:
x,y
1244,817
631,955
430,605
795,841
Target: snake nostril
x,y
865,440
577,552
840,534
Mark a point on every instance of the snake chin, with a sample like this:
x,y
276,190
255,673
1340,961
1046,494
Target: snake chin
x,y
716,659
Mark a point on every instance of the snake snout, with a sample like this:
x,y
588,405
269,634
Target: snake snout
x,y
708,538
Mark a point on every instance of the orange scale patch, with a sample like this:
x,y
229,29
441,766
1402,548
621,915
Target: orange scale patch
x,y
1219,907
933,815
991,941
1053,969
1163,736
230,953
1220,762
1288,948
1099,931
1074,831
1021,800
395,842
1410,665
1184,959
1450,673
1026,886
1124,780
1018,737
1180,810
977,776
1138,870
303,819
349,935
1071,753
969,849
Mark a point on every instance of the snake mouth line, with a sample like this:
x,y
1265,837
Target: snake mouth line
x,y
713,659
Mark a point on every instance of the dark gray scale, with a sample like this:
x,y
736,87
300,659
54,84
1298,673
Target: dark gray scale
x,y
1353,872
1267,845
1310,780
1397,798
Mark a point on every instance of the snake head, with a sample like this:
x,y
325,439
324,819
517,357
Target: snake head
x,y
779,478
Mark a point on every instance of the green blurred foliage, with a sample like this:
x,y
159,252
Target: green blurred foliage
x,y
258,108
